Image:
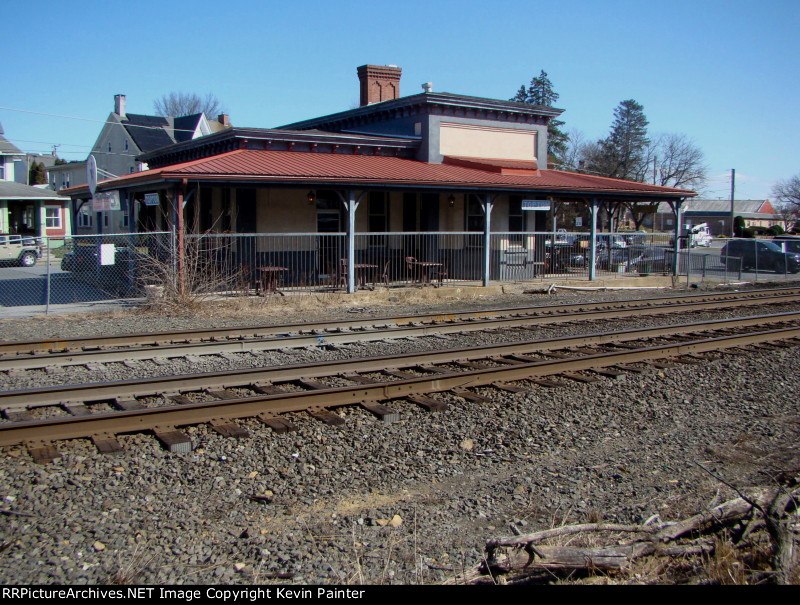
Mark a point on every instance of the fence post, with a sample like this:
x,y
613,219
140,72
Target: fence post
x,y
47,302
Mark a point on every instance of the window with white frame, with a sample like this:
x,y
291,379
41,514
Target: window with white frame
x,y
52,217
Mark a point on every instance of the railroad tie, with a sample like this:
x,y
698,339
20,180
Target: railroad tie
x,y
470,396
265,388
544,382
326,416
42,452
223,394
173,440
382,412
107,443
509,388
229,429
18,415
579,377
128,404
277,424
431,405
76,409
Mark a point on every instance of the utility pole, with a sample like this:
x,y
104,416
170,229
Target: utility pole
x,y
733,190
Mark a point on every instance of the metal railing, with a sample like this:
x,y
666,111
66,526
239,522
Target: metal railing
x,y
91,268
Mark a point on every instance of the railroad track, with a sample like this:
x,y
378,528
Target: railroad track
x,y
27,355
103,411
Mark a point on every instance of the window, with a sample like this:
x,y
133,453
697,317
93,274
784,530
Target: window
x,y
475,220
109,147
84,218
52,217
516,219
126,146
378,219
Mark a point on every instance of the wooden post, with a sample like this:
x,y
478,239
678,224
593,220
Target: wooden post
x,y
180,189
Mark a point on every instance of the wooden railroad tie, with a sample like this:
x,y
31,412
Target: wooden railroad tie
x,y
106,443
276,423
229,429
42,452
326,416
431,405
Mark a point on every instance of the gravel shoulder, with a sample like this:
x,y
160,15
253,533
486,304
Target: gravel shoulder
x,y
408,502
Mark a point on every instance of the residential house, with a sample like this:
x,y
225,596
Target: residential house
x,y
123,138
25,210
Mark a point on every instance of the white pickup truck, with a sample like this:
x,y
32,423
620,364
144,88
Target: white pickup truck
x,y
700,235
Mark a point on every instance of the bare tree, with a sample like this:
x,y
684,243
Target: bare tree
x,y
183,104
677,162
573,156
787,200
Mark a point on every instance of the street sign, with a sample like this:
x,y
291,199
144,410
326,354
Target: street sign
x,y
151,199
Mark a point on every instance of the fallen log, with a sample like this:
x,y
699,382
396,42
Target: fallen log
x,y
774,508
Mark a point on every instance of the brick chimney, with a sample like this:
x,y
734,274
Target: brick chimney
x,y
379,83
224,119
119,105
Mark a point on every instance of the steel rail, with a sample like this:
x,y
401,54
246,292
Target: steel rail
x,y
173,385
167,417
365,331
154,339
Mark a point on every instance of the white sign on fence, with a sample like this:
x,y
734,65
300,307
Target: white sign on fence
x,y
107,254
536,204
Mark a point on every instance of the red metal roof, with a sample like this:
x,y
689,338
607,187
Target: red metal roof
x,y
319,168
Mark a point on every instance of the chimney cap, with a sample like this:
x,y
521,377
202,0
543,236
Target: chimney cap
x,y
427,86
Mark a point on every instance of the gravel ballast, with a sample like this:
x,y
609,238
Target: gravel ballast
x,y
407,502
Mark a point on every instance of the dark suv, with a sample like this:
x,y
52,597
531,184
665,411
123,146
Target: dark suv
x,y
789,243
759,255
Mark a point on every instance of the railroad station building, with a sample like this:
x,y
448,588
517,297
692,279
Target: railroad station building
x,y
387,177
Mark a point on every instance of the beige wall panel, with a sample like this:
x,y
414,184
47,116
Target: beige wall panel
x,y
285,211
484,142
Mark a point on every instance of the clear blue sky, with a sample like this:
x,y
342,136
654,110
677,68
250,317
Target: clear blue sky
x,y
724,73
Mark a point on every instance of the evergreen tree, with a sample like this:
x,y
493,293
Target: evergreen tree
x,y
37,174
540,92
622,154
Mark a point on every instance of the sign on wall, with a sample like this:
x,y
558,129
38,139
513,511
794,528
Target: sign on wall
x,y
536,204
151,199
106,200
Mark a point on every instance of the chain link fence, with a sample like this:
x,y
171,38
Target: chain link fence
x,y
39,274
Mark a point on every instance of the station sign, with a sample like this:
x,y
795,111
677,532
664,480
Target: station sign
x,y
151,199
536,204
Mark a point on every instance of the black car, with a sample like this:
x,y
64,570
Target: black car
x,y
759,255
788,243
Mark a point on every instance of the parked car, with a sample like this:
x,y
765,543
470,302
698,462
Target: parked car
x,y
788,243
85,258
563,256
19,250
759,255
651,260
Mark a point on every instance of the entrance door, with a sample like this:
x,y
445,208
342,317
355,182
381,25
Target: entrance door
x,y
329,247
